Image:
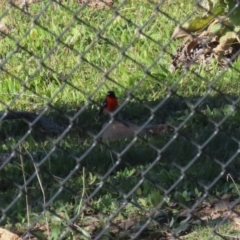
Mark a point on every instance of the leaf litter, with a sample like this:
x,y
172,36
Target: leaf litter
x,y
217,42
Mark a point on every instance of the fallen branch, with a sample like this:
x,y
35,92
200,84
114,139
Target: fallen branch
x,y
30,117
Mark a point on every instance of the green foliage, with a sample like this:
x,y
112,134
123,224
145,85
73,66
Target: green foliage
x,y
128,185
233,10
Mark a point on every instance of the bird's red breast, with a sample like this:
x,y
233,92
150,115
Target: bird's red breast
x,y
111,104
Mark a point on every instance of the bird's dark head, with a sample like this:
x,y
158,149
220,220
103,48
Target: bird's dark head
x,y
111,94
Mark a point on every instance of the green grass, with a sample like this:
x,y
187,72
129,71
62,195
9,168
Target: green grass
x,y
207,232
84,65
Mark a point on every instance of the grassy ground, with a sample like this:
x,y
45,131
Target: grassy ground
x,y
55,59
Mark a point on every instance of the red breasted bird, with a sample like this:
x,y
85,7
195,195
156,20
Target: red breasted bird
x,y
110,103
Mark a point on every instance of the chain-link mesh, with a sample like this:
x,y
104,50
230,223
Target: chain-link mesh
x,y
162,161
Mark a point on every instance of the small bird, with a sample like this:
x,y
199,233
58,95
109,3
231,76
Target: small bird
x,y
110,103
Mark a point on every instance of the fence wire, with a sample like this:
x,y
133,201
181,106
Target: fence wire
x,y
161,161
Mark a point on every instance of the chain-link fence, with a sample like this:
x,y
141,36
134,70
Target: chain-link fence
x,y
115,125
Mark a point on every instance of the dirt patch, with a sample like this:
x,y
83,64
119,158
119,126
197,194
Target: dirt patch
x,y
4,29
5,234
97,3
24,3
120,130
